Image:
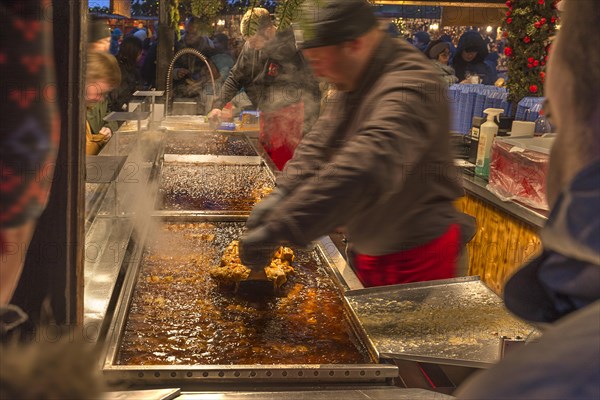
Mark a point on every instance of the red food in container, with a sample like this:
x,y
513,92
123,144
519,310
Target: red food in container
x,y
518,170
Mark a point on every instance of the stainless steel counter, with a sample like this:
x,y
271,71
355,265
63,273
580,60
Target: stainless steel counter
x,y
365,393
477,187
360,393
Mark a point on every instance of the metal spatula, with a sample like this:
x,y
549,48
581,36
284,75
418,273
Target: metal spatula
x,y
257,275
256,282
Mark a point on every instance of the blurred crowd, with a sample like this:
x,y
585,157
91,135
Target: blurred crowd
x,y
462,54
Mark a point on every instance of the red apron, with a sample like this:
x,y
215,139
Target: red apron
x,y
434,260
281,131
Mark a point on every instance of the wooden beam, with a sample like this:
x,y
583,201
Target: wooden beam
x,y
442,3
166,43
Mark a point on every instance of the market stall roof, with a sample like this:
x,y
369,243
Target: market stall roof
x,y
447,3
453,13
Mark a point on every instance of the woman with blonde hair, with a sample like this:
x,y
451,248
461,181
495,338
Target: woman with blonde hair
x,y
102,76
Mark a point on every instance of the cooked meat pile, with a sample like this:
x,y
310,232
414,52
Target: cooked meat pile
x,y
232,271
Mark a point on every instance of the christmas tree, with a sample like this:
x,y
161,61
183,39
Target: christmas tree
x,y
528,28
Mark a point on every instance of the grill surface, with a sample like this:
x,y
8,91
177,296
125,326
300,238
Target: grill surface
x,y
179,316
208,143
212,187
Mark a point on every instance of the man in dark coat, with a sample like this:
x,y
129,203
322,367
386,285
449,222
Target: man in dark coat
x,y
377,162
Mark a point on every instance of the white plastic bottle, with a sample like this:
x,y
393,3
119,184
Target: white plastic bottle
x,y
487,132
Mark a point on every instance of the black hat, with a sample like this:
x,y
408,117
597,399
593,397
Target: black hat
x,y
98,29
329,22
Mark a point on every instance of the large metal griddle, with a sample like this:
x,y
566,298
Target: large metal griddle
x,y
456,321
194,376
239,376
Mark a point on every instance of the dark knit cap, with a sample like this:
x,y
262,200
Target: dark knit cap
x,y
330,22
98,29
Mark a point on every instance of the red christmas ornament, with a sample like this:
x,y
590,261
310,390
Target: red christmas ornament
x,y
508,13
542,76
537,25
533,88
526,39
553,19
530,60
541,2
543,62
508,51
529,66
505,34
543,21
536,63
509,3
509,20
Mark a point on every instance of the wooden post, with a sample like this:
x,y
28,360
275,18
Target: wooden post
x,y
166,43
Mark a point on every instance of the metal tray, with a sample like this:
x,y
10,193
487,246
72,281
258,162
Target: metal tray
x,y
186,375
455,321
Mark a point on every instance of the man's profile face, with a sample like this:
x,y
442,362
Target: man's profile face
x,y
330,63
257,41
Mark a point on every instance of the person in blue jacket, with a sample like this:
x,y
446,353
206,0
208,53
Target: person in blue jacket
x,y
470,59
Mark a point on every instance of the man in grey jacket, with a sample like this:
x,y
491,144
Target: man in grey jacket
x,y
377,162
278,82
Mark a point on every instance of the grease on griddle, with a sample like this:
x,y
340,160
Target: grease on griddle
x,y
179,316
213,187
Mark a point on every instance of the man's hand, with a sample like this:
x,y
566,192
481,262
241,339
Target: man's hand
x,y
263,208
214,117
257,247
106,132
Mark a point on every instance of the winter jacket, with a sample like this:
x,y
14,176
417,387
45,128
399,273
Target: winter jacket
x,y
95,116
478,66
378,161
273,78
446,73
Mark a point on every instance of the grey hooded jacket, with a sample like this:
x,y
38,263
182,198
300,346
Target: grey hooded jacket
x,y
377,162
273,78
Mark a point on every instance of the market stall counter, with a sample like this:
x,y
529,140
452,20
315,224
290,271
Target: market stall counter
x,y
166,323
507,233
